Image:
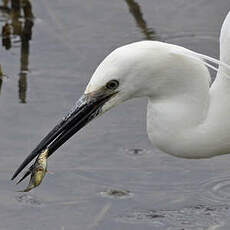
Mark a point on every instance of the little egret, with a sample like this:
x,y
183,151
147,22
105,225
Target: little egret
x,y
185,116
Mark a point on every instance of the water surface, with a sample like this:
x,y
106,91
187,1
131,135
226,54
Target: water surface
x,y
49,59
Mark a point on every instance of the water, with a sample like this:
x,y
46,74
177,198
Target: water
x,y
109,174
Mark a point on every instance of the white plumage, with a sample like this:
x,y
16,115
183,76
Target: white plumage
x,y
185,116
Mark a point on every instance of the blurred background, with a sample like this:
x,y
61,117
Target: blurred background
x,y
109,175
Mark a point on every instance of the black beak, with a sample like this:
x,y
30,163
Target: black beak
x,y
87,107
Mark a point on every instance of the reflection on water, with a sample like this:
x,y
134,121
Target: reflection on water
x,y
135,10
19,21
2,75
1,78
89,182
151,34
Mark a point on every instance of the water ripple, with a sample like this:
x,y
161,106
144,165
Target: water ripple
x,y
28,200
116,194
189,218
216,190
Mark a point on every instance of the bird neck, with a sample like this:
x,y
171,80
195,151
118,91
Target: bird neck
x,y
195,126
178,123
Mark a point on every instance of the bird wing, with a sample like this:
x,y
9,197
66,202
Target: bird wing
x,y
223,72
221,85
223,65
225,41
207,60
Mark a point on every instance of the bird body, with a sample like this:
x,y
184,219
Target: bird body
x,y
185,116
177,88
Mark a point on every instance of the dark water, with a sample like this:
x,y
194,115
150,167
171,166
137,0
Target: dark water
x,y
108,176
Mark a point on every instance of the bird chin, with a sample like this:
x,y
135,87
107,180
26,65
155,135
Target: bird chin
x,y
110,104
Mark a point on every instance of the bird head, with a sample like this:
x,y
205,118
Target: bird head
x,y
129,71
134,70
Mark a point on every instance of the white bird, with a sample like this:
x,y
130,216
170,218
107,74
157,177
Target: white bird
x,y
185,116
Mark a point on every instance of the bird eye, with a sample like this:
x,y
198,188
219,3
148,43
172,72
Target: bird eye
x,y
113,84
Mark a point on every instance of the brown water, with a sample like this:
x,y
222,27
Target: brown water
x,y
108,176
